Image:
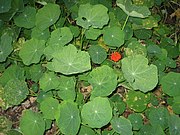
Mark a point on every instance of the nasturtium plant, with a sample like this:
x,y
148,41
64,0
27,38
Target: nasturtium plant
x,y
49,81
34,72
70,61
5,125
137,100
5,46
77,67
97,54
49,107
122,125
49,49
174,125
32,51
132,9
66,88
68,118
136,120
143,33
92,33
40,34
103,80
97,113
32,123
5,6
86,131
43,95
27,18
159,116
134,48
60,36
176,105
92,15
171,84
139,74
151,130
154,49
114,36
15,91
47,16
12,72
128,32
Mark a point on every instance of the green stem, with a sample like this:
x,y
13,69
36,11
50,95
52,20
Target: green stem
x,y
125,22
54,26
82,36
15,59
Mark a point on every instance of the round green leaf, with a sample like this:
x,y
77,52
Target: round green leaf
x,y
154,49
14,132
122,125
5,46
12,72
137,100
114,36
159,116
49,50
32,51
160,65
97,53
128,32
134,48
47,16
60,36
40,34
139,74
69,60
86,131
171,84
43,95
34,72
132,9
27,18
97,113
75,30
49,81
5,5
151,130
176,105
48,107
92,33
136,120
67,118
66,89
143,33
174,125
170,63
92,15
32,123
15,91
149,22
103,80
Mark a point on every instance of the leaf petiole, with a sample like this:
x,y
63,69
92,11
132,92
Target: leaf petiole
x,y
125,22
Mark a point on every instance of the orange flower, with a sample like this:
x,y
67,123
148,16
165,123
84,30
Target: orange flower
x,y
116,56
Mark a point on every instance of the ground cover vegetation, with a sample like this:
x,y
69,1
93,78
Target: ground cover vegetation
x,y
89,67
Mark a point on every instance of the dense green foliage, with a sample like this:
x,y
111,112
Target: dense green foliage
x,y
59,53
